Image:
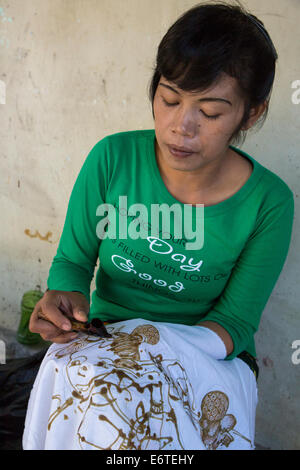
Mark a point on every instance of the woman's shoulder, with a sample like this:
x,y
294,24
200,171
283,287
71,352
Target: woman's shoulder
x,y
124,137
274,196
268,183
117,151
113,146
278,188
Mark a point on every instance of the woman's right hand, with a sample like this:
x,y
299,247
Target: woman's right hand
x,y
51,307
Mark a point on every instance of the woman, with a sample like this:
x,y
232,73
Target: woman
x,y
178,370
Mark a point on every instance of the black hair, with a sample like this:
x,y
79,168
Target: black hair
x,y
215,38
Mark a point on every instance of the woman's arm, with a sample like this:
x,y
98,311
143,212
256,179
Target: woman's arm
x,y
236,315
73,266
221,332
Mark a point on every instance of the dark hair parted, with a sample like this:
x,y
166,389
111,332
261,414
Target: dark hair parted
x,y
211,39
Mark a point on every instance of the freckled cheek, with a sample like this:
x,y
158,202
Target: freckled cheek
x,y
156,108
162,121
158,119
222,127
160,114
212,129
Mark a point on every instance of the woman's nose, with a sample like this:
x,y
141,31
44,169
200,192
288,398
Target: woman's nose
x,y
185,123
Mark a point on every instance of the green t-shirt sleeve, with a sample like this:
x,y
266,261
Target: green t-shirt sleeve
x,y
73,266
254,276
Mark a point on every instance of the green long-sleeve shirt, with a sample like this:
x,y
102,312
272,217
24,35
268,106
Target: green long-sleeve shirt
x,y
228,279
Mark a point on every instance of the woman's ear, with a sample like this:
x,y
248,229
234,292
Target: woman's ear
x,y
255,114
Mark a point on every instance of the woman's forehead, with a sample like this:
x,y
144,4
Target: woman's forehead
x,y
225,87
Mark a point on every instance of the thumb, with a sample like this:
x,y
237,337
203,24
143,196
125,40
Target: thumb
x,y
80,313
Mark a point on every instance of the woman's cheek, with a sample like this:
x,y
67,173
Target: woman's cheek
x,y
220,127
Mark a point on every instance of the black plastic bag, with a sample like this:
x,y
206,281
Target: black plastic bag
x,y
16,381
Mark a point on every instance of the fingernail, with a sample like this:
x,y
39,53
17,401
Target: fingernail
x,y
65,326
82,314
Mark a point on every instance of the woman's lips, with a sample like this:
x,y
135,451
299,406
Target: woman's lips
x,y
178,152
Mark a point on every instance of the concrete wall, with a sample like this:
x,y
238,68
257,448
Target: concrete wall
x,y
76,70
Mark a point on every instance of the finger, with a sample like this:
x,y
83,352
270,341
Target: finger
x,y
39,324
60,338
80,313
33,318
54,315
44,327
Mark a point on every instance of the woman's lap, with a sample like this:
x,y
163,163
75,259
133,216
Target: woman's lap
x,y
146,387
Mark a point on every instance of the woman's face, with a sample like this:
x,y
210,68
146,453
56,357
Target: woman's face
x,y
201,123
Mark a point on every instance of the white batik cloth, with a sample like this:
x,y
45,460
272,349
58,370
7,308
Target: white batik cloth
x,y
150,386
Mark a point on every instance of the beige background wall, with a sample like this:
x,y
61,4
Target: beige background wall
x,y
77,70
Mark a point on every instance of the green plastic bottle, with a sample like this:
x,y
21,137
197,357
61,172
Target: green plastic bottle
x,y
28,303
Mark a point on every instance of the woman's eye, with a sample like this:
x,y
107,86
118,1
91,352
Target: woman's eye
x,y
211,117
167,103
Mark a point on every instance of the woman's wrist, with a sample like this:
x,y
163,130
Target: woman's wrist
x,y
221,332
